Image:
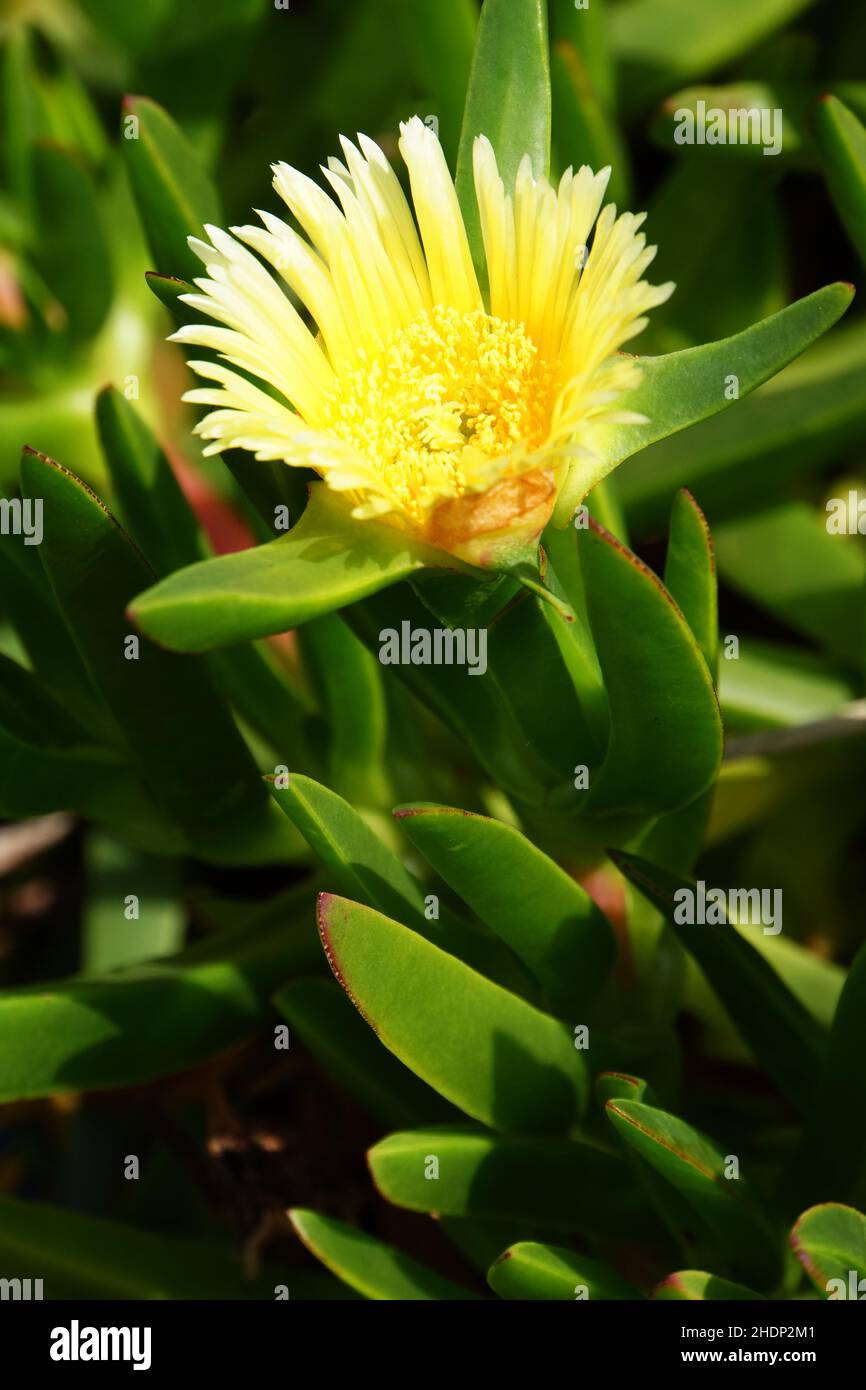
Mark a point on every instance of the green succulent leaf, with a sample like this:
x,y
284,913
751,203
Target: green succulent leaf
x,y
31,608
162,523
355,857
168,290
832,1160
617,1085
783,1036
508,100
94,571
128,1026
375,1270
150,501
489,1052
174,196
353,700
695,1285
337,1037
554,1184
830,1242
697,1170
666,737
842,141
683,388
473,707
566,941
690,575
82,1256
529,1270
360,863
801,419
326,561
72,253
530,647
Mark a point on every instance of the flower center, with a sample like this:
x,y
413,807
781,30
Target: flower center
x,y
450,391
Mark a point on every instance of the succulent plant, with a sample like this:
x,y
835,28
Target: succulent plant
x,y
417,564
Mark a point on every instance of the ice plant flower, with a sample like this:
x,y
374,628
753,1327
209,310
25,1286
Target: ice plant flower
x,y
384,368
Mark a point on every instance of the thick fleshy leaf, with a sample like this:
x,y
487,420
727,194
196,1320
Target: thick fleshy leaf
x,y
472,706
492,1054
168,289
324,562
532,1271
531,642
72,252
842,141
784,560
359,862
337,1037
832,1161
174,196
690,575
815,981
508,100
698,1170
376,1270
694,1285
615,1085
785,1039
566,941
830,1242
95,570
81,1256
151,504
531,648
162,523
683,388
349,680
735,461
666,738
133,1025
556,1184
30,606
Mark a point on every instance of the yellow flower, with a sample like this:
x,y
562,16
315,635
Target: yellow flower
x,y
384,369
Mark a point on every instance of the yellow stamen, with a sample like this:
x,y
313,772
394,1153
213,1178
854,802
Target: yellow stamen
x,y
450,387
